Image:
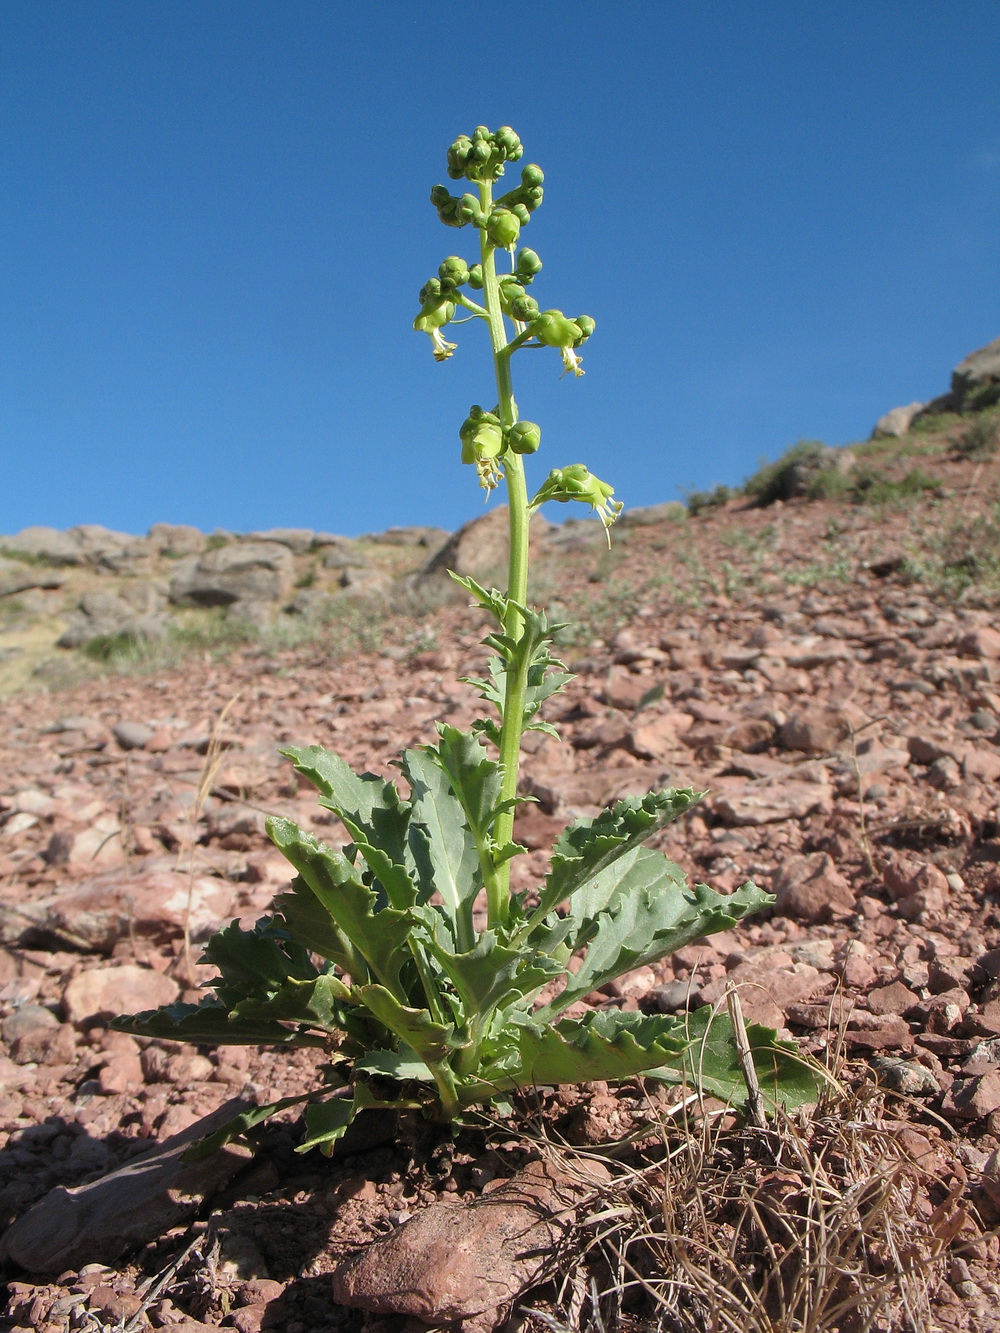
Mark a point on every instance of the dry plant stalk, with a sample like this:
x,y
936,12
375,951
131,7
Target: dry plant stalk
x,y
206,781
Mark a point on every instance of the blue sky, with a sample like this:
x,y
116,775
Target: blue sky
x,y
214,223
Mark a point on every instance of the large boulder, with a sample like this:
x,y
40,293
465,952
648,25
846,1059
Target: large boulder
x,y
975,382
246,571
16,576
298,540
480,547
106,615
46,544
176,539
897,422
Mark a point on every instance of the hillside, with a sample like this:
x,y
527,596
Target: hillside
x,y
819,652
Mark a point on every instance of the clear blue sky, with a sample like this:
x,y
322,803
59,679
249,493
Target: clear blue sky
x,y
214,223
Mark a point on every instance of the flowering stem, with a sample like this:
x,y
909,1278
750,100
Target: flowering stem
x,y
517,577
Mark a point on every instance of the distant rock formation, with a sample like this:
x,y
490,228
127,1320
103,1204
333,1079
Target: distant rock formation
x,y
975,385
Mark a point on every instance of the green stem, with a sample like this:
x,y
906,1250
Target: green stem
x,y
517,576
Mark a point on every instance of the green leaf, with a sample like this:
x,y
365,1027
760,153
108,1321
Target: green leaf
x,y
711,1062
442,848
379,936
370,803
403,1066
257,961
430,1040
313,928
473,777
492,601
489,976
588,846
605,1044
650,911
211,1024
240,1125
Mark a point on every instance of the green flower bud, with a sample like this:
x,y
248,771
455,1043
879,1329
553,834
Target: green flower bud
x,y
586,326
527,266
523,308
524,437
503,227
476,277
447,206
482,444
532,175
458,156
470,211
521,213
554,330
508,142
430,292
454,272
577,482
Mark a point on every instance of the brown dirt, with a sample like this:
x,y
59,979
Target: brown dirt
x,y
843,710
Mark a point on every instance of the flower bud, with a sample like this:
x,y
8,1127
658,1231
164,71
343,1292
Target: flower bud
x,y
476,277
470,211
527,265
430,291
532,175
524,437
554,330
523,308
503,228
454,272
586,326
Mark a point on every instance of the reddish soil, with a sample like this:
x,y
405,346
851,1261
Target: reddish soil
x,y
840,705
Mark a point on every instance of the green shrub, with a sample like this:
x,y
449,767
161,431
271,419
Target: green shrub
x,y
981,440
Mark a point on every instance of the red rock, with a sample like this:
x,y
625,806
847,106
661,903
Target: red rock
x,y
892,999
924,905
769,803
811,889
983,641
122,1073
125,989
903,876
973,1098
817,730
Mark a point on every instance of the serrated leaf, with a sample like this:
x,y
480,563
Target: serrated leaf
x,y
441,846
313,928
403,1066
379,936
368,801
211,1024
650,912
256,961
588,846
491,600
712,1063
605,1044
416,1027
490,976
473,777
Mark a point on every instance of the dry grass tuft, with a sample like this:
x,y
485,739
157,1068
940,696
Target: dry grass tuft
x,y
820,1223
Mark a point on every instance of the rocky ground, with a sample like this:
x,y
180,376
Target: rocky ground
x,y
827,669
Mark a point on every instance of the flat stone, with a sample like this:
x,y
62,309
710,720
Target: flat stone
x,y
96,1223
125,989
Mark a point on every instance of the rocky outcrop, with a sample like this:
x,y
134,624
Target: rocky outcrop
x,y
247,572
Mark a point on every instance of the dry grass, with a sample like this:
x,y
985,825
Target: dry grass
x,y
820,1223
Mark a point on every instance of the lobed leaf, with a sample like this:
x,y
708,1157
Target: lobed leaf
x,y
588,846
211,1024
442,849
711,1062
365,801
379,936
650,911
